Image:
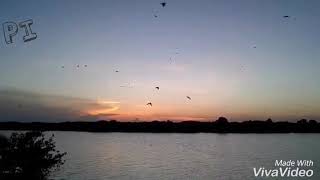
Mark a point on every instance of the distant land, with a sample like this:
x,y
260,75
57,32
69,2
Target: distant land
x,y
222,125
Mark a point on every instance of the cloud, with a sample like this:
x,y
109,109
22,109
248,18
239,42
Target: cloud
x,y
107,102
24,106
102,110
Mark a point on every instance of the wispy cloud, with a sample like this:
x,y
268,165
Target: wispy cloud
x,y
24,106
103,110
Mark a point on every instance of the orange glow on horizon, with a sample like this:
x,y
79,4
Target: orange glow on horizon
x,y
95,112
104,107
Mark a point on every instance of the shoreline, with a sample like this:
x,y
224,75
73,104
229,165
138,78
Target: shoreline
x,y
219,126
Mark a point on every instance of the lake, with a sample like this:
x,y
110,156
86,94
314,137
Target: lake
x,y
205,156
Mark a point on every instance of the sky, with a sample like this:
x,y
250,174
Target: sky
x,y
238,59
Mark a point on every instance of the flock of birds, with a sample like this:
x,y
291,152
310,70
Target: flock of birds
x,y
163,4
78,66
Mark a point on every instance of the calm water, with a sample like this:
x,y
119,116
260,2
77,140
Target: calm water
x,y
123,156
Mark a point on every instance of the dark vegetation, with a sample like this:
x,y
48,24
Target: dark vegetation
x,y
222,125
28,156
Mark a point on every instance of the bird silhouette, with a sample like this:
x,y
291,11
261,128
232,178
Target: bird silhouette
x,y
171,60
255,47
78,66
242,68
163,4
149,104
155,16
158,88
188,97
286,16
85,65
116,71
62,66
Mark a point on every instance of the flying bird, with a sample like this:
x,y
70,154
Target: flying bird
x,y
158,88
171,60
85,65
286,16
155,13
62,66
255,47
242,68
149,104
188,97
116,71
78,66
163,4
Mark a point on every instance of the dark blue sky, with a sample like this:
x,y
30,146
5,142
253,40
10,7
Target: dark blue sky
x,y
210,44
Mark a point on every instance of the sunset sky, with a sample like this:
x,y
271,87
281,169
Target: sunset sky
x,y
239,59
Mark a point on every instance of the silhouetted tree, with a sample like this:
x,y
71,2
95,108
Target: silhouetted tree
x,y
222,121
313,122
302,121
269,120
28,155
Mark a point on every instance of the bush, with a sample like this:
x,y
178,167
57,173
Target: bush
x,y
28,156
